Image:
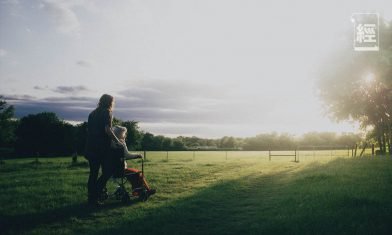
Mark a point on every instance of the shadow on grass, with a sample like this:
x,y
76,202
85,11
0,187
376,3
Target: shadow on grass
x,y
25,222
80,164
341,197
318,200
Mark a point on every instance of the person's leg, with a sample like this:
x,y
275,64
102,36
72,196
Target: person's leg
x,y
107,172
92,180
150,191
143,179
138,179
133,177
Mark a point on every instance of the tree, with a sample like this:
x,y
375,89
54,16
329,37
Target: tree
x,y
148,142
358,86
227,142
167,144
133,135
319,139
80,137
44,134
270,141
7,125
348,139
178,144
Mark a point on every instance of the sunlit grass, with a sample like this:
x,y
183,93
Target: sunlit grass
x,y
206,194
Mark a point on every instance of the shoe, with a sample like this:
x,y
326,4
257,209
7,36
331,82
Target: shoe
x,y
151,192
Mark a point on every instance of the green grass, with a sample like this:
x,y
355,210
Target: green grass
x,y
206,194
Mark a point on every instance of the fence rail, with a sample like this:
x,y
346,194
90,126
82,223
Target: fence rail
x,y
237,154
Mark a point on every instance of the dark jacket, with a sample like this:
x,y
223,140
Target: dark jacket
x,y
98,141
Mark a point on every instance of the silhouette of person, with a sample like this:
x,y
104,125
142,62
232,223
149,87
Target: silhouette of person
x,y
99,137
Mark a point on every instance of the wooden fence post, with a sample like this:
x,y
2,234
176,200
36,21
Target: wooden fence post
x,y
355,152
295,154
372,150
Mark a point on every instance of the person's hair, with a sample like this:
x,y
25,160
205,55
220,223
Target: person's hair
x,y
119,130
106,102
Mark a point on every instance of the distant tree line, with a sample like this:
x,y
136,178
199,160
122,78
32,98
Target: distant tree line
x,y
44,134
311,140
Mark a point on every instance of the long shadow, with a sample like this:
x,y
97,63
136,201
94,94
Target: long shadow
x,y
28,221
312,201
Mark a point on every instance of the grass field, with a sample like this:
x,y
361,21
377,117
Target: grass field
x,y
206,193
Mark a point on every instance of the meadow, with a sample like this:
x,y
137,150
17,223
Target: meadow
x,y
326,192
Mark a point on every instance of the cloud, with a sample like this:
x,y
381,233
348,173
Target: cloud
x,y
63,89
40,88
154,101
63,16
83,63
191,102
67,108
3,52
77,109
70,89
172,107
171,94
203,112
17,98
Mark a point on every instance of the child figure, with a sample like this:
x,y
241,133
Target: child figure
x,y
134,176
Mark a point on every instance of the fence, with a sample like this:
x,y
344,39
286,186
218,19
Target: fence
x,y
283,155
271,155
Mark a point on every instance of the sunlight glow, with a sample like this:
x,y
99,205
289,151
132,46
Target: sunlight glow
x,y
369,78
179,67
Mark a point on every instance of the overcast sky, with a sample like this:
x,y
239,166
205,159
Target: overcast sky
x,y
205,68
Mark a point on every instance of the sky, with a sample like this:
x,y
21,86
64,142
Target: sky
x,y
205,68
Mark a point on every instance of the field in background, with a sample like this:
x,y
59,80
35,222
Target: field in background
x,y
216,156
203,193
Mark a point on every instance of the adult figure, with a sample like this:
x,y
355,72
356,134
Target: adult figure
x,y
99,136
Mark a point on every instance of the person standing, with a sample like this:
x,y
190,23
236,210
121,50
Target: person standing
x,y
99,136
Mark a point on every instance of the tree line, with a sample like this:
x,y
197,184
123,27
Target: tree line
x,y
45,134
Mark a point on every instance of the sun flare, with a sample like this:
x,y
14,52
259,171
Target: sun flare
x,y
369,78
